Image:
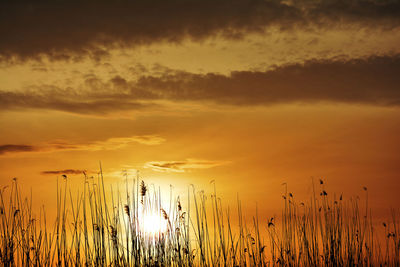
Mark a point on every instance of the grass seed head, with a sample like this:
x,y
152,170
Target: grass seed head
x,y
143,189
127,210
165,215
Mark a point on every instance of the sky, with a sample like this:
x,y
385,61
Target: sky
x,y
251,94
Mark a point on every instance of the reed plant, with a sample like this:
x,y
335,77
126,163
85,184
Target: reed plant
x,y
101,228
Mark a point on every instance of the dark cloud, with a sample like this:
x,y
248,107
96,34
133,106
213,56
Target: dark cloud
x,y
16,148
372,81
367,81
67,171
65,28
54,99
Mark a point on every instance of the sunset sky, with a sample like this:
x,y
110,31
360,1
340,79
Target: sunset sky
x,y
249,93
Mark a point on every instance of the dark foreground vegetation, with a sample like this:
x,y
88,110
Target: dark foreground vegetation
x,y
96,228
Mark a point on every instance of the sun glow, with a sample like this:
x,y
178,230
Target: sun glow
x,y
153,223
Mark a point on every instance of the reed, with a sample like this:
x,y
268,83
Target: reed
x,y
96,228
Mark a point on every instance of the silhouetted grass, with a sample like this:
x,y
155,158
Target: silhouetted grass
x,y
94,228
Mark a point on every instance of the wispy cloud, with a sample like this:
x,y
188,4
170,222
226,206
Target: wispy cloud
x,y
63,145
182,166
67,171
52,98
141,139
10,148
113,143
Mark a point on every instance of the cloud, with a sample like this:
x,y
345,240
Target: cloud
x,y
371,81
182,166
70,29
141,139
9,148
67,171
113,143
62,145
53,99
109,144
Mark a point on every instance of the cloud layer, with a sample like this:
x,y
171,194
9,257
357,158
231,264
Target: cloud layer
x,y
367,81
63,28
372,81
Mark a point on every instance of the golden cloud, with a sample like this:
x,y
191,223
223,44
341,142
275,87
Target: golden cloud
x,y
62,145
182,166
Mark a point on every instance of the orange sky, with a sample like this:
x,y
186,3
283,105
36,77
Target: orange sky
x,y
250,94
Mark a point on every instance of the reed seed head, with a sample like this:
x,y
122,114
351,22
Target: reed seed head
x,y
143,189
127,210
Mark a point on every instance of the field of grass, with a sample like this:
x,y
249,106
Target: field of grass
x,y
136,228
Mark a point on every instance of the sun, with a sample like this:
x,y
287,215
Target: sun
x,y
153,223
